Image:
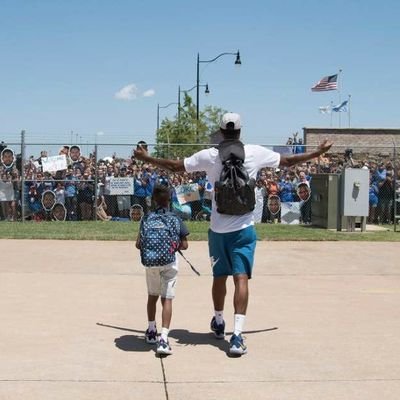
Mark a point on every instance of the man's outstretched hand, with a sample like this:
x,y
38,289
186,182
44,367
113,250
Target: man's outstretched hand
x,y
325,146
140,153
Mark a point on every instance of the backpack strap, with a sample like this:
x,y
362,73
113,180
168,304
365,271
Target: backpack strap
x,y
231,149
164,216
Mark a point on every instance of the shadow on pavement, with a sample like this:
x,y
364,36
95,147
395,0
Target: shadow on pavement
x,y
129,342
132,343
188,338
182,336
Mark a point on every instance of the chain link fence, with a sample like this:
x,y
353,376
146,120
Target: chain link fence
x,y
44,182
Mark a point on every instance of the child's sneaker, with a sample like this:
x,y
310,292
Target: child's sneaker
x,y
237,346
218,329
151,337
163,347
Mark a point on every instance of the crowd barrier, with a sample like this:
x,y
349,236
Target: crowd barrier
x,y
81,182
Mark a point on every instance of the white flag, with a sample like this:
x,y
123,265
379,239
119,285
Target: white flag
x,y
325,109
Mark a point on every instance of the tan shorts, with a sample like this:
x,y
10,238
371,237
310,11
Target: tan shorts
x,y
161,281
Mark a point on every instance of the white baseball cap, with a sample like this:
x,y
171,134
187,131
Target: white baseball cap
x,y
233,118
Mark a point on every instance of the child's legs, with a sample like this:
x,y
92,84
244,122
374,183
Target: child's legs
x,y
168,286
153,280
151,307
166,312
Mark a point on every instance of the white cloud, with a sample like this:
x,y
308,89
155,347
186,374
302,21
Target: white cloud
x,y
127,93
149,93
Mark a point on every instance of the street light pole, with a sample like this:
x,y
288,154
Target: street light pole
x,y
158,113
158,117
197,87
179,103
206,91
237,62
158,120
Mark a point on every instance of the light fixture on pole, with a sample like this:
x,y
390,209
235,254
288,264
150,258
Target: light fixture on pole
x,y
158,120
158,113
238,62
206,92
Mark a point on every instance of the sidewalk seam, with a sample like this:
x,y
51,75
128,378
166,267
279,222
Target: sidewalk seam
x,y
164,379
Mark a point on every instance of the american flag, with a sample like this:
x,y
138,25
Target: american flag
x,y
326,83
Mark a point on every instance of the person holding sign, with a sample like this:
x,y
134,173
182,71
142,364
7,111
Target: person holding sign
x,y
232,238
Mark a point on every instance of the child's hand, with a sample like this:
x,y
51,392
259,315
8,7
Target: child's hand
x,y
183,245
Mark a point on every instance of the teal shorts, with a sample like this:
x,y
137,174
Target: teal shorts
x,y
232,253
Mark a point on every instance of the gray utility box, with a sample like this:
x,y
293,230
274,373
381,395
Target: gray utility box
x,y
325,200
355,192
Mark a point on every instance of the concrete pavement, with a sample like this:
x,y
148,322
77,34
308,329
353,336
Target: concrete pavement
x,y
323,323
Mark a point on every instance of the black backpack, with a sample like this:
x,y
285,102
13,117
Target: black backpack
x,y
234,192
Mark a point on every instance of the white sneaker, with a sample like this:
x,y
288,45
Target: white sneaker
x,y
237,346
163,347
151,336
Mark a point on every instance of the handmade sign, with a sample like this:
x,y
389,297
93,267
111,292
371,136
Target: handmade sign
x,y
187,193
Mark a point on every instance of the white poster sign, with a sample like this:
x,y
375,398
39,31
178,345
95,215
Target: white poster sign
x,y
187,193
290,213
259,206
55,163
121,186
6,191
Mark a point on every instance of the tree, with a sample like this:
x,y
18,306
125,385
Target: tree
x,y
183,135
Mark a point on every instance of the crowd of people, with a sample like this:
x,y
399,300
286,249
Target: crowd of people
x,y
81,190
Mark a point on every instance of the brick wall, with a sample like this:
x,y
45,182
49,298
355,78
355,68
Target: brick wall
x,y
372,141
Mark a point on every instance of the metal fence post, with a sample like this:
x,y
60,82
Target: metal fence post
x,y
95,183
395,194
23,176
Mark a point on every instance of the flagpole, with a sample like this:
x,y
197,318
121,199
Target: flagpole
x,y
349,108
340,93
331,113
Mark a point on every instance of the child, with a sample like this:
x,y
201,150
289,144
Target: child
x,y
161,234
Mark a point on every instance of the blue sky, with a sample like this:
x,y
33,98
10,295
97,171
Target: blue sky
x,y
62,63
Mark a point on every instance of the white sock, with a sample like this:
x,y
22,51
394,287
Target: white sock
x,y
164,334
152,326
219,317
239,323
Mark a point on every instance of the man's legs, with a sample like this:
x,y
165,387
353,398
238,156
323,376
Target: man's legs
x,y
241,296
243,248
219,292
240,301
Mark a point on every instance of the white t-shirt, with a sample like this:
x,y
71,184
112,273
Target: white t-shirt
x,y
256,157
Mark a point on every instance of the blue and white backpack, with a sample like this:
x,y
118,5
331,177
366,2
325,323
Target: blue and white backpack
x,y
159,238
